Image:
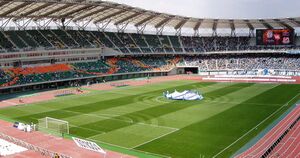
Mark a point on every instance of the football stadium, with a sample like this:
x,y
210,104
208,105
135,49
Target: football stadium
x,y
92,78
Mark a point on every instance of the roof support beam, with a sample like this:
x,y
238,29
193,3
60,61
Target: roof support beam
x,y
161,25
295,21
91,13
179,26
110,16
56,10
141,25
3,3
214,27
163,22
36,9
251,28
15,9
283,24
76,11
145,20
232,26
128,18
197,25
266,25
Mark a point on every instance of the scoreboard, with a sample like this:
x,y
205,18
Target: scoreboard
x,y
274,37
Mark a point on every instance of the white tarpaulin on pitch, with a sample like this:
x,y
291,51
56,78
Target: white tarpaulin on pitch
x,y
185,95
88,145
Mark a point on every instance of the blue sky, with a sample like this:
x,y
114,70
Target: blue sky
x,y
221,8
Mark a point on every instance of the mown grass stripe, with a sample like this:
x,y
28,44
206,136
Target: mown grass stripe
x,y
217,132
153,112
88,108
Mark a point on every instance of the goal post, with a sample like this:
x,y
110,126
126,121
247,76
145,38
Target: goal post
x,y
51,125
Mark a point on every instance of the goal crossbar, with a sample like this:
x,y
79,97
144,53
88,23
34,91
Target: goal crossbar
x,y
54,125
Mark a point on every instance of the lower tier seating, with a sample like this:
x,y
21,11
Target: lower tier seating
x,y
116,65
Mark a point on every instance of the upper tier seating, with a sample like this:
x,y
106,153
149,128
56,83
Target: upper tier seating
x,y
175,43
166,44
154,43
140,41
117,41
78,37
27,38
39,38
91,38
103,39
127,43
55,41
13,36
5,43
65,38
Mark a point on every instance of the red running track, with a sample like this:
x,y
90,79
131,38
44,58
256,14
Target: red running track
x,y
51,143
267,141
289,147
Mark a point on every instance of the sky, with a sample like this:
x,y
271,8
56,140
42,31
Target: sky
x,y
225,9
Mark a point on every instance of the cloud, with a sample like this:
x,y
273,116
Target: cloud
x,y
221,8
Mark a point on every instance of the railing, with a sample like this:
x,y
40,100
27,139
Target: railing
x,y
269,150
42,151
82,78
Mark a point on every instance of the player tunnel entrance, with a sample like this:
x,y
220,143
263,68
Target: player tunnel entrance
x,y
188,70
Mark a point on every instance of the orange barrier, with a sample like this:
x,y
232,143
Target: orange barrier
x,y
40,69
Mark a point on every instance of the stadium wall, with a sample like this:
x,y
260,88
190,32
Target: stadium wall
x,y
78,81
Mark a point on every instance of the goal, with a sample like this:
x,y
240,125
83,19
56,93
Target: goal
x,y
53,125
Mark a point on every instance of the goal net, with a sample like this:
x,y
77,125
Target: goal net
x,y
53,125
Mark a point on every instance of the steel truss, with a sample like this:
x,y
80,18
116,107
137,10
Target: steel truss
x,y
140,29
82,24
61,24
122,26
101,26
4,22
42,23
22,23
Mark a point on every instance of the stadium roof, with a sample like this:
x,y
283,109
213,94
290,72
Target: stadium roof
x,y
101,13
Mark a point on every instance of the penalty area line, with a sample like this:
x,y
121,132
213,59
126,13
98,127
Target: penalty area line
x,y
122,147
151,140
255,127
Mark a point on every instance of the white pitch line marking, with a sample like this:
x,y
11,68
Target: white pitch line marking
x,y
154,139
254,128
127,148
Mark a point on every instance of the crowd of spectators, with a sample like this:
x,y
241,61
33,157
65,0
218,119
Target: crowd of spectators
x,y
113,65
251,62
4,78
80,70
209,44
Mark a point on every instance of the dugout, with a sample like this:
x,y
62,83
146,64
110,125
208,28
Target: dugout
x,y
187,70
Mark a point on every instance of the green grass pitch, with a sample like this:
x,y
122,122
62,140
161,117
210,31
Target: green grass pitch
x,y
140,119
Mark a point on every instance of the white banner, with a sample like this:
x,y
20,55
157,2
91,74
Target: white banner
x,y
88,145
